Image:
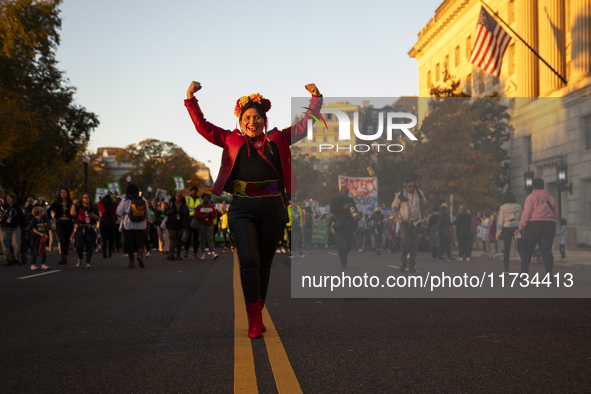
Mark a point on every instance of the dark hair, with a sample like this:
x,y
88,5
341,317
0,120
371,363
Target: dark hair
x,y
132,191
194,188
13,196
508,198
409,179
89,198
435,208
563,221
206,195
107,204
58,200
259,108
538,184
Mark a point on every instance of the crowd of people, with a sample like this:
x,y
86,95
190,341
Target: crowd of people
x,y
130,223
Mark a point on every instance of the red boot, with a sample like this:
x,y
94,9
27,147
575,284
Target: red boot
x,y
255,319
262,324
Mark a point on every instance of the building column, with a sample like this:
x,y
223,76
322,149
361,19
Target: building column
x,y
527,62
552,36
580,14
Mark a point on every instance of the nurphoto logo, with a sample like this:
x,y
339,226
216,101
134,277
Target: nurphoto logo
x,y
345,129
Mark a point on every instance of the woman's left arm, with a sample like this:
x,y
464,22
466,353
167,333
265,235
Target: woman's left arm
x,y
299,130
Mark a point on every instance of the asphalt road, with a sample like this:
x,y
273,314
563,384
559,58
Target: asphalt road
x,y
170,328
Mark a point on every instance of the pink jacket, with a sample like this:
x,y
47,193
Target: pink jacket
x,y
232,141
539,206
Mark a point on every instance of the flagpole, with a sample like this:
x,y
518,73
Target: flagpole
x,y
526,44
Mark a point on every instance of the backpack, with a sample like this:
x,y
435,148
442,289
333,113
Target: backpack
x,y
137,209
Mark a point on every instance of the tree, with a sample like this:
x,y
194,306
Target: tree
x,y
446,161
156,163
41,128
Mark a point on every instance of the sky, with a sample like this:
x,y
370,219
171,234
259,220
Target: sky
x,y
132,61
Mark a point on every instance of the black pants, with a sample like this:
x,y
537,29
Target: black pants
x,y
345,241
64,230
541,233
444,246
296,239
465,245
193,234
108,229
85,237
256,225
507,233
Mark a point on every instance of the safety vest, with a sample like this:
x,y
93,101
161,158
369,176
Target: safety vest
x,y
192,204
288,224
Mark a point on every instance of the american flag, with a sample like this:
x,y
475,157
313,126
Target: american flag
x,y
490,44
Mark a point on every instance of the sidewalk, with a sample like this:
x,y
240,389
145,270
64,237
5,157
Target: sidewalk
x,y
573,257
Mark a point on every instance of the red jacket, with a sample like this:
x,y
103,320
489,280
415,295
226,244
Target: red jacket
x,y
232,141
203,210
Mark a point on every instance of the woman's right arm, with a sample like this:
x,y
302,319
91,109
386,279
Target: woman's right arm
x,y
215,135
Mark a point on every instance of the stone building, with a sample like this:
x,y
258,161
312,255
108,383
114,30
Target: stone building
x,y
551,119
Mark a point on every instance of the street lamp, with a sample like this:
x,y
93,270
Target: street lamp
x,y
528,181
128,180
561,182
86,160
150,192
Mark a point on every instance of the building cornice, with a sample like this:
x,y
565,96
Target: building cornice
x,y
437,25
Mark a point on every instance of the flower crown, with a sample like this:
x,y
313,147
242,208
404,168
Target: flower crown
x,y
255,97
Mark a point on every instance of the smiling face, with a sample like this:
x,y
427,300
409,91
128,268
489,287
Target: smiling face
x,y
252,123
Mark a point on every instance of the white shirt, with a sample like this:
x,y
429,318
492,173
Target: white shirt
x,y
123,210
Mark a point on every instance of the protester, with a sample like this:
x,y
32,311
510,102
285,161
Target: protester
x,y
345,218
193,201
463,224
296,229
108,223
256,169
360,231
39,228
484,232
432,233
60,211
308,228
11,223
378,227
85,216
539,218
407,208
507,222
135,218
562,233
206,213
225,229
151,237
492,233
443,229
163,241
178,216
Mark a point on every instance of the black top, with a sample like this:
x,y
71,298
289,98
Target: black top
x,y
463,221
178,218
341,214
254,168
59,213
83,216
12,216
40,224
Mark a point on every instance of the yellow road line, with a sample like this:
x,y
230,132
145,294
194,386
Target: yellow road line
x,y
285,378
245,380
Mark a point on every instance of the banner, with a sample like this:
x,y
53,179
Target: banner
x,y
179,183
114,188
159,195
320,233
364,191
100,193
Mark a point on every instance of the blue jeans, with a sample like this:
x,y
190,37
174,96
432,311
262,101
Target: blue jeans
x,y
11,236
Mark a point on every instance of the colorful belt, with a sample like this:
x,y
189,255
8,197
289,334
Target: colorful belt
x,y
256,189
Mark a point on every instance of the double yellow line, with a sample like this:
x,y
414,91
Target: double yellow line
x,y
245,380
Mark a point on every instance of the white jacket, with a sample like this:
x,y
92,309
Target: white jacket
x,y
509,216
123,210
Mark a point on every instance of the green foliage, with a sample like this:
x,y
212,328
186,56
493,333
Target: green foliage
x,y
156,162
42,130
